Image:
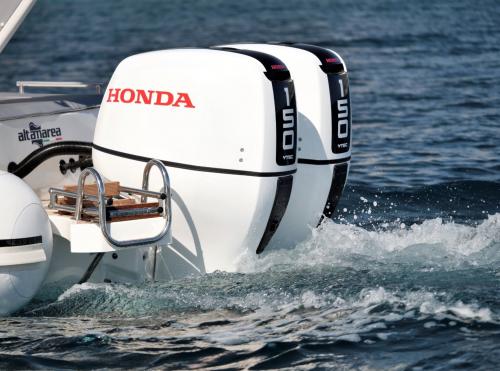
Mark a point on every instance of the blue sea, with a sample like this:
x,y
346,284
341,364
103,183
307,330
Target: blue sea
x,y
405,276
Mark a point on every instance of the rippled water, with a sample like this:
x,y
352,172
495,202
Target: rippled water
x,y
407,275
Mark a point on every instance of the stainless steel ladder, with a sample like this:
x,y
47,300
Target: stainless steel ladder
x,y
100,212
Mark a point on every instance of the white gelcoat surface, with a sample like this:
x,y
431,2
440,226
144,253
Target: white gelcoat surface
x,y
216,216
314,129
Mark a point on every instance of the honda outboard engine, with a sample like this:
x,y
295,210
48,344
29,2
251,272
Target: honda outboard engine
x,y
224,124
25,243
324,135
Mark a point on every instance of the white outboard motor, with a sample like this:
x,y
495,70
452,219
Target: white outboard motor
x,y
223,122
25,244
324,136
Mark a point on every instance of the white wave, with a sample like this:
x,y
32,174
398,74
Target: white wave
x,y
369,316
433,242
430,243
79,289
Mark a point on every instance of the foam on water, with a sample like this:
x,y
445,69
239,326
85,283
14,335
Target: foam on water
x,y
342,265
380,293
373,317
431,243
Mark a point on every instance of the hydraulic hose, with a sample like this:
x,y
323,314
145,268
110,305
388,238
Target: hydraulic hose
x,y
37,157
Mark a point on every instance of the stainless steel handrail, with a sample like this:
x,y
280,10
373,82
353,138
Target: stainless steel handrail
x,y
142,192
58,84
101,199
164,198
165,191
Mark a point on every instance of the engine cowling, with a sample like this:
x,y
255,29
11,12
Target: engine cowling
x,y
224,124
25,244
324,134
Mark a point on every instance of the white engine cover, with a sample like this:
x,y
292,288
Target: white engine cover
x,y
224,125
324,135
25,244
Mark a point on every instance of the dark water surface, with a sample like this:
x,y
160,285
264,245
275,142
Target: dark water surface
x,y
407,276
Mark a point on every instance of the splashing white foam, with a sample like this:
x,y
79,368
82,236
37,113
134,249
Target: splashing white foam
x,y
433,242
78,289
366,316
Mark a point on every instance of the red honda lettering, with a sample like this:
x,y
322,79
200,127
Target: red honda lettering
x,y
143,98
113,96
160,102
130,98
184,99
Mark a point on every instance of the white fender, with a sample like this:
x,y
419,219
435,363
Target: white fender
x,y
25,243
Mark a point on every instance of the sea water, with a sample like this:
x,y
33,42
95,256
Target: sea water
x,y
405,276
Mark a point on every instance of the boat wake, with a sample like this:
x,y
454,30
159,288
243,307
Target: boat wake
x,y
348,297
432,244
339,264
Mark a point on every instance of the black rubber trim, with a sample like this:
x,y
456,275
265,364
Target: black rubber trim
x,y
336,188
309,161
267,60
35,158
281,199
321,53
194,167
21,241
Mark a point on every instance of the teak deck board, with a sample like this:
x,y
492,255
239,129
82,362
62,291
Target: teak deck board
x,y
110,189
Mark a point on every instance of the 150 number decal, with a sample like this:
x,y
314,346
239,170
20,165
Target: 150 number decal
x,y
288,124
343,115
286,119
341,118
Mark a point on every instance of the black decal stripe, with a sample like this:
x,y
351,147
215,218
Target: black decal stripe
x,y
286,137
194,167
309,161
21,241
337,187
339,121
283,192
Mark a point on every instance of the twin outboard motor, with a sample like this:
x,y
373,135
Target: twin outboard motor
x,y
324,135
224,122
